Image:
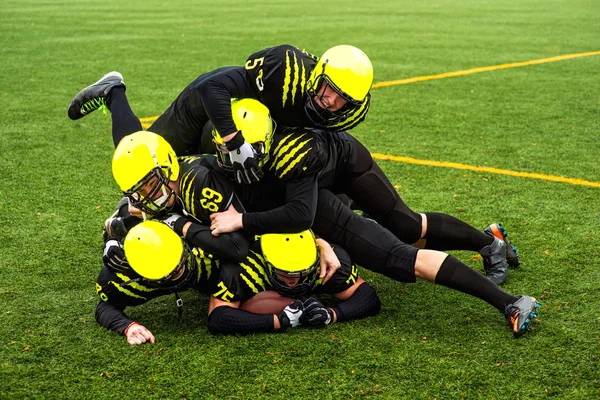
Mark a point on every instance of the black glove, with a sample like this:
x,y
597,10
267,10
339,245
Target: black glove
x,y
243,161
115,228
114,256
315,314
291,314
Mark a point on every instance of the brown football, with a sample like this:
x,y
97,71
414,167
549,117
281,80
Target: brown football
x,y
267,302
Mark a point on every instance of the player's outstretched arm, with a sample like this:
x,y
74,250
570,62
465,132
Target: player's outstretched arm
x,y
226,318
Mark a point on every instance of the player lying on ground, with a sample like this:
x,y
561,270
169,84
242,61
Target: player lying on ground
x,y
151,261
288,264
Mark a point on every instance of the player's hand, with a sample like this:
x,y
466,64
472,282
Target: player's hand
x,y
114,256
138,334
136,212
115,228
170,220
315,314
291,315
243,160
227,221
330,263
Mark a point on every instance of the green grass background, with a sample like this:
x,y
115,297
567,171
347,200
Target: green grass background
x,y
428,342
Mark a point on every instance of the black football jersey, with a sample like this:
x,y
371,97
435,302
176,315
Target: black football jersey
x,y
239,282
280,75
204,188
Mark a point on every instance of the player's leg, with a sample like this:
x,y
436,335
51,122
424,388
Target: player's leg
x,y
108,93
373,247
372,190
446,270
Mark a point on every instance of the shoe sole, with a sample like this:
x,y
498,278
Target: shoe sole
x,y
499,232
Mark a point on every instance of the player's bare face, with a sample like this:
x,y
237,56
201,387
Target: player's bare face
x,y
327,98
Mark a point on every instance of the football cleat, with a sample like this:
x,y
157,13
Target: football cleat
x,y
512,255
521,313
494,261
94,96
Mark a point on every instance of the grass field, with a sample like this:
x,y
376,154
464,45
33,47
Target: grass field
x,y
428,342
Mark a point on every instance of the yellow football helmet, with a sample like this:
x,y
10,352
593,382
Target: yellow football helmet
x,y
291,255
349,72
254,120
159,255
143,164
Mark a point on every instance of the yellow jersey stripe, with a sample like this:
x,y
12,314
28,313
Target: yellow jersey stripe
x,y
134,285
287,79
296,78
292,153
281,153
294,162
259,281
275,152
127,292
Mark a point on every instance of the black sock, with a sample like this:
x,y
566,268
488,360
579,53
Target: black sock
x,y
124,121
456,275
445,232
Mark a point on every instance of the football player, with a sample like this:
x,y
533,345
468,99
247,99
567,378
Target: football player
x,y
151,261
289,264
331,92
301,160
158,185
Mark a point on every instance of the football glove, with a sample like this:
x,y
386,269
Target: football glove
x,y
315,314
291,315
115,228
243,161
114,256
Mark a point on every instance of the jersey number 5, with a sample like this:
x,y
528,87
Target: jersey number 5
x,y
257,62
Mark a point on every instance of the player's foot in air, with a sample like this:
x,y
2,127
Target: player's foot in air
x,y
94,96
521,313
512,255
494,261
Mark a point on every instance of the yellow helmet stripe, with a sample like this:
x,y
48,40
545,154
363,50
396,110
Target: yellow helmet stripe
x,y
127,292
294,162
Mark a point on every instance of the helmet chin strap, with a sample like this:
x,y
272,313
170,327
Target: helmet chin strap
x,y
164,198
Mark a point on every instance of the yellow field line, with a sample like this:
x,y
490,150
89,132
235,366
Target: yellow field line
x,y
146,122
484,69
492,170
